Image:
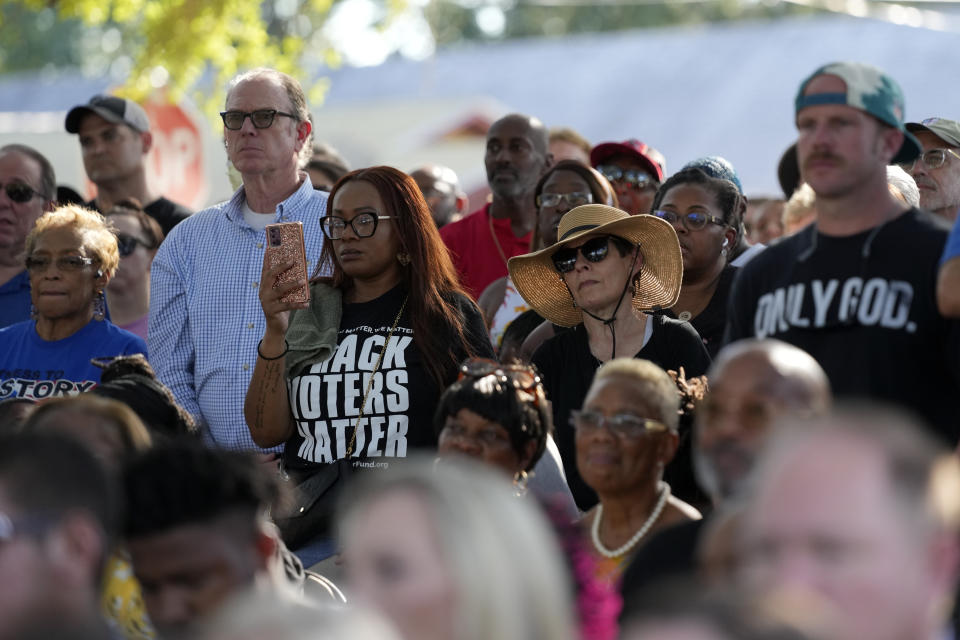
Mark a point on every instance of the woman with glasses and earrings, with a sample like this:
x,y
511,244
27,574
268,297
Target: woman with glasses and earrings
x,y
565,185
128,294
603,277
71,257
499,414
702,210
350,380
626,434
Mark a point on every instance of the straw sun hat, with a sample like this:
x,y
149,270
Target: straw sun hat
x,y
659,283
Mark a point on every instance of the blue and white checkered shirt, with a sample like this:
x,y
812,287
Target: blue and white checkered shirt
x,y
205,314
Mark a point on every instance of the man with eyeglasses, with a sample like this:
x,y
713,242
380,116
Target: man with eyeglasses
x,y
856,289
937,170
59,516
115,139
205,314
28,188
634,169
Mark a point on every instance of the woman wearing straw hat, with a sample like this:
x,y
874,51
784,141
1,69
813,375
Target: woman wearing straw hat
x,y
605,272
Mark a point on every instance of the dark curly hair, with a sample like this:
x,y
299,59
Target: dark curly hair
x,y
525,414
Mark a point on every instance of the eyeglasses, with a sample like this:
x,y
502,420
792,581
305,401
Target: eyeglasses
x,y
572,199
634,177
489,437
64,263
261,118
128,244
19,192
931,159
593,250
363,225
693,221
621,424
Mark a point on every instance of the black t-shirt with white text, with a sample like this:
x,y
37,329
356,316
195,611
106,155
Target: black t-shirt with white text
x,y
325,397
864,307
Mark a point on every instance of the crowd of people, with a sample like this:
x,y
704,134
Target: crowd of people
x,y
612,402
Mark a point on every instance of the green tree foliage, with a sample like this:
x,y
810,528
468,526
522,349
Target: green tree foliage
x,y
183,45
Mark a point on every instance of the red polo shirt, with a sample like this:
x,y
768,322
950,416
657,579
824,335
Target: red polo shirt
x,y
474,252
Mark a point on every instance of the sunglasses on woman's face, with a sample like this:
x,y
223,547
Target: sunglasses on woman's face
x,y
593,250
128,244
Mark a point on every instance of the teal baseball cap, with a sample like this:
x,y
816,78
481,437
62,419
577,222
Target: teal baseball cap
x,y
870,90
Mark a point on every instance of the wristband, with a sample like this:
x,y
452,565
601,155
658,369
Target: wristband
x,y
286,347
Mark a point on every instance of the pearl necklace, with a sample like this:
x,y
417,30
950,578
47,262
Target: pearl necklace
x,y
664,489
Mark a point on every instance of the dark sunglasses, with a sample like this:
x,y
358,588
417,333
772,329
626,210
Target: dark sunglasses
x,y
521,377
261,118
19,192
634,177
128,244
593,250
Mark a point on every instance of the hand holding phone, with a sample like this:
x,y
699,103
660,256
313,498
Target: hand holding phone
x,y
285,244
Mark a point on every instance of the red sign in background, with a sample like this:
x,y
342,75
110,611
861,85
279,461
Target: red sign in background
x,y
176,160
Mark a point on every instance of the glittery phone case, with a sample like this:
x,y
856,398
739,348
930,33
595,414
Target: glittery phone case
x,y
285,244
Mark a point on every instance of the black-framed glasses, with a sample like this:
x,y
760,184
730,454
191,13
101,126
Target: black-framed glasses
x,y
574,199
127,244
64,263
593,250
633,177
261,118
624,425
363,225
19,192
693,221
931,159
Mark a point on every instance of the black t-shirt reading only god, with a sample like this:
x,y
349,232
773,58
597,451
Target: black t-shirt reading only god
x,y
864,306
325,397
567,365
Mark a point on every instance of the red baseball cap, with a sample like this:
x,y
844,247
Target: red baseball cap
x,y
646,154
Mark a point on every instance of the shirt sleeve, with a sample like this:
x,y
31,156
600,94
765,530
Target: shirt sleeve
x,y
695,358
169,337
952,250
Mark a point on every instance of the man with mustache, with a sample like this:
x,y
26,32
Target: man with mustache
x,y
856,290
753,384
481,243
937,170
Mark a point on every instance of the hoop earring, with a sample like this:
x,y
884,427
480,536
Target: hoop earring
x,y
33,312
403,258
100,307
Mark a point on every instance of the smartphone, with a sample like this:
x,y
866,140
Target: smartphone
x,y
285,244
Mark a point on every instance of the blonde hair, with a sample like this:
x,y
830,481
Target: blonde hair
x,y
800,206
652,381
502,556
98,238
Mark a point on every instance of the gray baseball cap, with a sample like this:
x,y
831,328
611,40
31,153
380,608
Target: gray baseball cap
x,y
112,109
946,130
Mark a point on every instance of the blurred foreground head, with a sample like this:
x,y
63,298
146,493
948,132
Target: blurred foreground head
x,y
855,511
448,552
